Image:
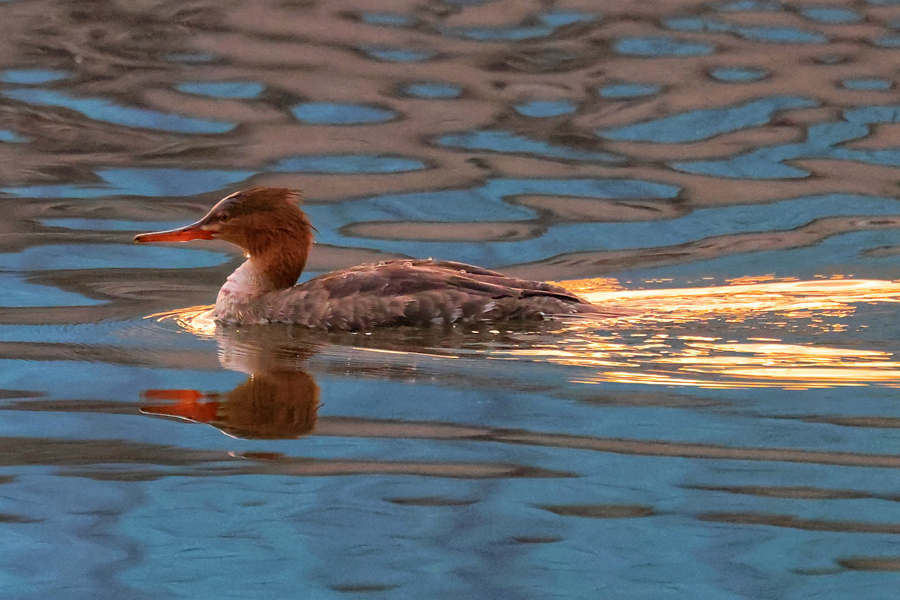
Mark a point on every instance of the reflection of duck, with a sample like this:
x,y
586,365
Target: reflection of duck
x,y
278,404
278,401
277,236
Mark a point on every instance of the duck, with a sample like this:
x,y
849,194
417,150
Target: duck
x,y
276,237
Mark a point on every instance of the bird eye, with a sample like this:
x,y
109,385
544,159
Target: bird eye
x,y
224,218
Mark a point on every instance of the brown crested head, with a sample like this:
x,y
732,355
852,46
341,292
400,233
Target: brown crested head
x,y
265,222
258,218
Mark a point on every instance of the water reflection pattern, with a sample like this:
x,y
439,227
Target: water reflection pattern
x,y
474,121
729,168
522,96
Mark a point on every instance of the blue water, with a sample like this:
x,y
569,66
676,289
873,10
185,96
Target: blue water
x,y
726,171
547,24
138,182
223,89
105,110
572,237
398,54
387,19
32,76
823,141
433,91
628,90
778,35
11,137
504,141
332,113
546,108
863,84
360,163
831,15
737,74
70,256
703,124
661,46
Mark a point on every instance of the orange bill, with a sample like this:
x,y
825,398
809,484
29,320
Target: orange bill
x,y
185,234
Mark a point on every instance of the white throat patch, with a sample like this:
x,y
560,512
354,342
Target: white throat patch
x,y
235,302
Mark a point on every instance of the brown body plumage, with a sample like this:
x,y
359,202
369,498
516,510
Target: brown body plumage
x,y
277,237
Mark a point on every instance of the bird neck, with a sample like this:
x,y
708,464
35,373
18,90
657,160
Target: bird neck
x,y
274,268
276,256
279,255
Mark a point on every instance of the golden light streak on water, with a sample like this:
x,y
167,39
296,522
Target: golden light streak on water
x,y
198,320
691,351
832,297
684,356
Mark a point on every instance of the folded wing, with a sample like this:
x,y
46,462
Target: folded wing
x,y
419,292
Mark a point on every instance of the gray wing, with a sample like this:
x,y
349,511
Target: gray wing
x,y
408,292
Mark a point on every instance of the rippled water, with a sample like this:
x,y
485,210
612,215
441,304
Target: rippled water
x,y
727,171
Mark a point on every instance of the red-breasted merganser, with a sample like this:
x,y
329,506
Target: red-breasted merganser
x,y
276,237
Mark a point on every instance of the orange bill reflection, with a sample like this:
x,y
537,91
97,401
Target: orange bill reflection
x,y
276,404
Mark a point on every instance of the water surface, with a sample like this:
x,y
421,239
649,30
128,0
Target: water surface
x,y
724,172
